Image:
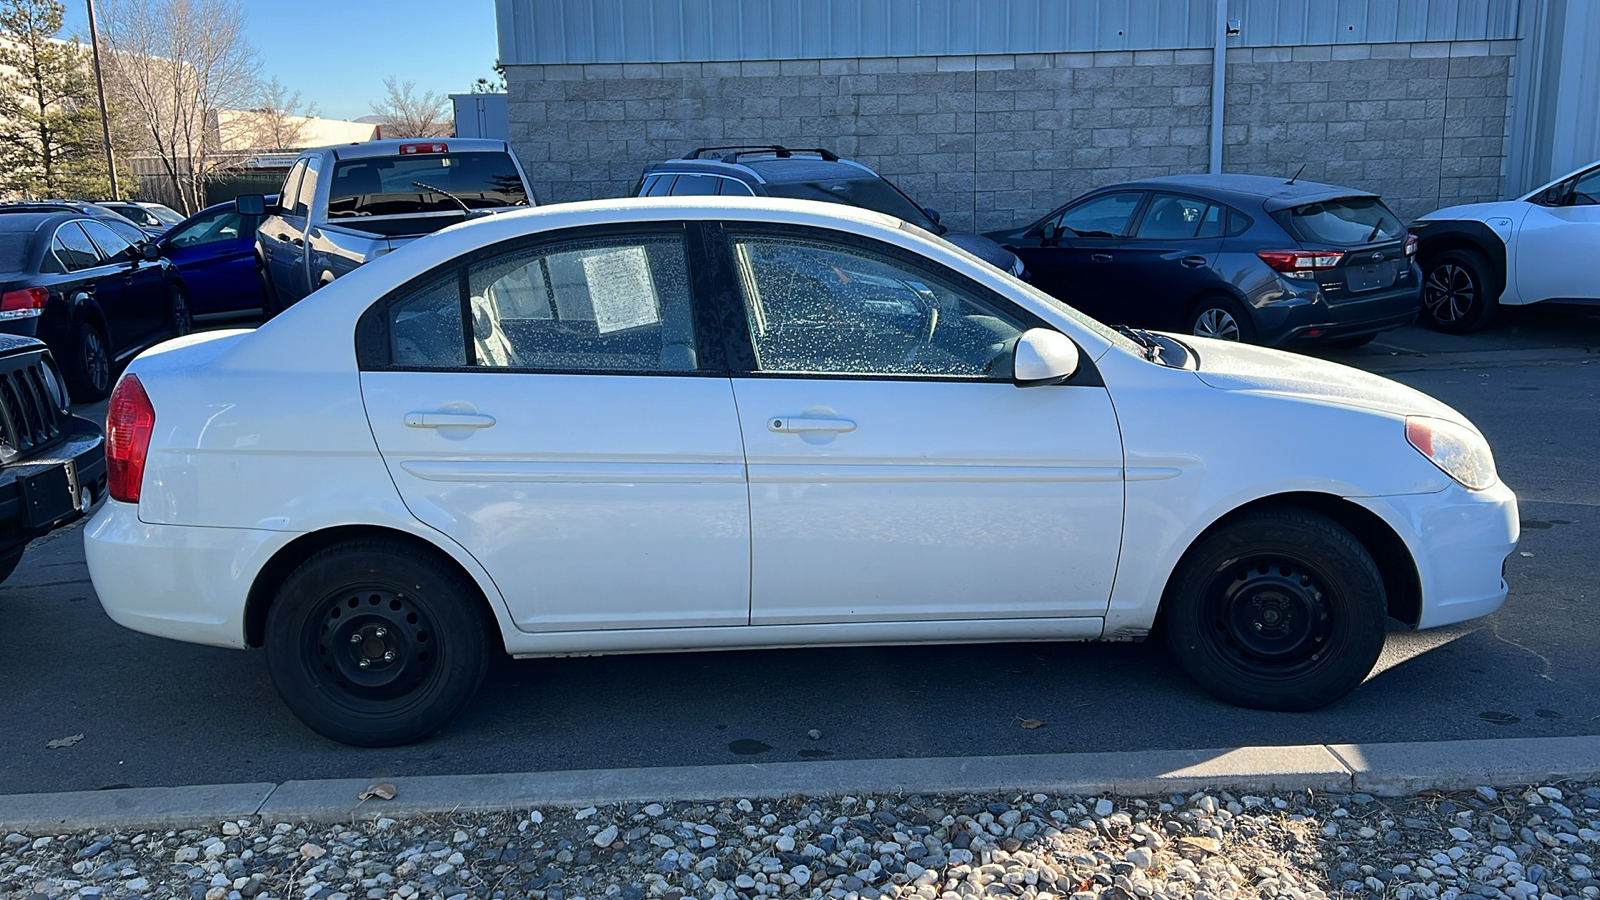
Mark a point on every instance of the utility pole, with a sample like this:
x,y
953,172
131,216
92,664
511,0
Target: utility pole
x,y
105,120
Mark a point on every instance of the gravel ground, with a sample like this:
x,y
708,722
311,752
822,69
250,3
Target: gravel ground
x,y
1525,844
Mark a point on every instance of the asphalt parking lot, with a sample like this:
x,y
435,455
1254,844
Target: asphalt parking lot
x,y
153,712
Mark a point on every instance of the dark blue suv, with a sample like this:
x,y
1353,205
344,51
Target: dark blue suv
x,y
1238,257
773,171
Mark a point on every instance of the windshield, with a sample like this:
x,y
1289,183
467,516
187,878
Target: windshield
x,y
163,214
876,194
1356,220
383,186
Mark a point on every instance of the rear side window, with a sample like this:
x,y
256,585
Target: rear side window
x,y
1171,217
112,247
695,186
291,185
1354,220
73,249
424,183
308,188
657,186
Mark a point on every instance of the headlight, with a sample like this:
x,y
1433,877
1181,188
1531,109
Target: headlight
x,y
1457,450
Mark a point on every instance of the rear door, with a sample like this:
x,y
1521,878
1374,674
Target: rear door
x,y
575,432
1556,245
1166,261
1076,265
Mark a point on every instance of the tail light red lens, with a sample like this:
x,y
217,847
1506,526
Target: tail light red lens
x,y
24,298
409,149
1301,263
1411,245
130,420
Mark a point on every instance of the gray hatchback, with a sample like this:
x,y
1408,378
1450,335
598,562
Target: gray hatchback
x,y
1238,257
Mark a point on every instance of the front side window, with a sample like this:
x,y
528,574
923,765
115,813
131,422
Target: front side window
x,y
603,305
1174,218
222,225
822,308
291,186
1101,217
1586,192
73,249
112,247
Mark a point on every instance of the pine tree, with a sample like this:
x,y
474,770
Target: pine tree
x,y
50,137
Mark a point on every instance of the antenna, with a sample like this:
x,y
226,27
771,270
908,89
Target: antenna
x,y
1296,174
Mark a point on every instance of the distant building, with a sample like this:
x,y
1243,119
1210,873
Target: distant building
x,y
243,130
995,112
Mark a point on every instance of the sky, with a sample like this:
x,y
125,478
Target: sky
x,y
337,53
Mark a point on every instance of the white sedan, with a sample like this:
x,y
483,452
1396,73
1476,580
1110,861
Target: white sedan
x,y
706,423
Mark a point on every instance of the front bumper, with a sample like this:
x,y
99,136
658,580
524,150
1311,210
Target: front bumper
x,y
54,488
1459,540
185,582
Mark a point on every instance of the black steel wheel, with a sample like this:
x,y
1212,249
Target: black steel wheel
x,y
1282,609
1458,295
89,367
182,316
374,644
271,304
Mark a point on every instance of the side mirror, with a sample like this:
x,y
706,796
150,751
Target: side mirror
x,y
149,251
931,213
250,204
1050,232
1043,357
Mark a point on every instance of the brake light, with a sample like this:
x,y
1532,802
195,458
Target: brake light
x,y
409,149
24,298
130,420
1411,245
1301,263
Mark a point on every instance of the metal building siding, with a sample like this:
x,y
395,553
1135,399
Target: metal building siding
x,y
613,31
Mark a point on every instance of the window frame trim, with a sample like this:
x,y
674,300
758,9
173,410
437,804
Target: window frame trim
x,y
373,342
741,356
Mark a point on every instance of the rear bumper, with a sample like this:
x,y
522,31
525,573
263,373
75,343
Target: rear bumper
x,y
1459,540
52,489
1304,315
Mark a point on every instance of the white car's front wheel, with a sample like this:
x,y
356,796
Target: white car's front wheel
x,y
1281,609
373,644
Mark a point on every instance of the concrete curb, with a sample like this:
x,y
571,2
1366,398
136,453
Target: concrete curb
x,y
1381,769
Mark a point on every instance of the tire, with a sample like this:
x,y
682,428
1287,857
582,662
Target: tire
x,y
89,368
1280,610
271,305
1459,294
397,601
1221,318
182,315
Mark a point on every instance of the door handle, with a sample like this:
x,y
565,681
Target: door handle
x,y
283,237
1193,262
802,424
448,420
1101,257
298,242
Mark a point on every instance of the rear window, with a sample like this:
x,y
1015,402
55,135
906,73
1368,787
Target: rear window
x,y
388,186
875,194
1354,220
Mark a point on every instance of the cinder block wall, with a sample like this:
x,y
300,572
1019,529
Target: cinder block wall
x,y
992,141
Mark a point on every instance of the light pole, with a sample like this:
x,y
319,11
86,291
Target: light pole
x,y
100,85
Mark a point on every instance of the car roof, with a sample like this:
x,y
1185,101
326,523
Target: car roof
x,y
391,147
767,165
1271,192
14,220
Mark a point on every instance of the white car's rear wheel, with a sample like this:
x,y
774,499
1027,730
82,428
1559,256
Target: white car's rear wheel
x,y
1281,610
373,644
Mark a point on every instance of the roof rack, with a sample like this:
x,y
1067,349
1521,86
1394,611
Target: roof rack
x,y
732,153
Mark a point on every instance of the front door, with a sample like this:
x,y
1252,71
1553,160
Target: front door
x,y
1557,245
213,254
896,474
279,233
1075,263
569,433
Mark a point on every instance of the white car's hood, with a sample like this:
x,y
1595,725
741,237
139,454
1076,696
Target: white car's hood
x,y
1230,366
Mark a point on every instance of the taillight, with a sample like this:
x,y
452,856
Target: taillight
x,y
1301,263
130,419
409,149
1411,245
24,298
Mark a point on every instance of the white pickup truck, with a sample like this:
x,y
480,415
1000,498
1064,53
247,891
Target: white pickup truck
x,y
344,206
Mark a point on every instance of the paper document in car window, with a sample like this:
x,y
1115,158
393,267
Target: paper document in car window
x,y
620,289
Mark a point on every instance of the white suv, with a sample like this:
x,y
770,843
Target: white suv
x,y
1535,249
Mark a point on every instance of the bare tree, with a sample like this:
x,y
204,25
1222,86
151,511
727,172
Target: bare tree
x,y
411,116
174,65
278,119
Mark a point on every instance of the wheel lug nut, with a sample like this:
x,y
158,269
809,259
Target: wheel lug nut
x,y
388,656
381,631
365,662
355,638
1256,626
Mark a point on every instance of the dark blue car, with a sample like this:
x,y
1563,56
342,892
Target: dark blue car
x,y
214,252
